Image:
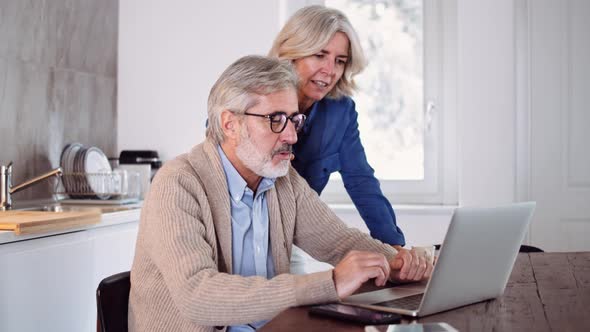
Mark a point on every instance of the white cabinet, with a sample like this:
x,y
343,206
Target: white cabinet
x,y
113,250
49,283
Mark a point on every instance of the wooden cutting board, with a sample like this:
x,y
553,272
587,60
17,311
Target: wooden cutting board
x,y
29,222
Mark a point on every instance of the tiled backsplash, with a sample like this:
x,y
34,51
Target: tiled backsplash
x,y
58,83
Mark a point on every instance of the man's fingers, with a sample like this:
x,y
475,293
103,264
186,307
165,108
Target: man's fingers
x,y
422,266
412,265
358,267
400,259
379,275
371,259
381,264
397,264
428,273
408,265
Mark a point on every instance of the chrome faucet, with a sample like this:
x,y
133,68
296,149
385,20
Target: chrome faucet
x,y
6,188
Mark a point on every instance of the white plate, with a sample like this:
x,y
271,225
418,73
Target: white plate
x,y
63,161
63,156
68,165
95,161
74,150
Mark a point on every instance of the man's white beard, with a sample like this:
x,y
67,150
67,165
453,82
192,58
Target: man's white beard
x,y
257,161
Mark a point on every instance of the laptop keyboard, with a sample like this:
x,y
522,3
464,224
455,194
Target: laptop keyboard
x,y
408,303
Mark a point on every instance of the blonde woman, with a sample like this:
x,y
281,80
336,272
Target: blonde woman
x,y
326,53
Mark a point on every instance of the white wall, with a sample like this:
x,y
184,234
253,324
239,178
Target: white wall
x,y
170,54
422,225
486,101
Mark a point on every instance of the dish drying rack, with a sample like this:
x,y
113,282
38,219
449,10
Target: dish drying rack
x,y
113,185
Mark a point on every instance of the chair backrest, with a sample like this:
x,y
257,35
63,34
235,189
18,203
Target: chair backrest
x,y
112,299
527,248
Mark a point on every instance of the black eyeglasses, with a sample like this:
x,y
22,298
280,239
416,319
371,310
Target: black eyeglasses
x,y
278,120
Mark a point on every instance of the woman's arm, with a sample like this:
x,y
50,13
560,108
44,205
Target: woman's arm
x,y
363,188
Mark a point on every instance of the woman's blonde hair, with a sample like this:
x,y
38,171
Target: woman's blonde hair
x,y
309,30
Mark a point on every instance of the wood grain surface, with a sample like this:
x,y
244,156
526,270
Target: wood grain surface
x,y
545,292
28,222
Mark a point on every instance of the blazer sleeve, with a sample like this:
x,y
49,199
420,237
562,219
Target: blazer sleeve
x,y
364,189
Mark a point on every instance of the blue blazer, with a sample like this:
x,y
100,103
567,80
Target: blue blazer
x,y
329,142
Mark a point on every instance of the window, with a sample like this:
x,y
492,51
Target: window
x,y
399,115
391,88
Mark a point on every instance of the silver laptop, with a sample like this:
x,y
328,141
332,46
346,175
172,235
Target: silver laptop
x,y
475,262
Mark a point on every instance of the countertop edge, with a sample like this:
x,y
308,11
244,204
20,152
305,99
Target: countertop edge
x,y
107,219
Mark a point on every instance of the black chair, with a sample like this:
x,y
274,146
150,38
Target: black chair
x,y
523,248
112,299
526,248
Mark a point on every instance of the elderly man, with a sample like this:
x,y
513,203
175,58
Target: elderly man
x,y
217,227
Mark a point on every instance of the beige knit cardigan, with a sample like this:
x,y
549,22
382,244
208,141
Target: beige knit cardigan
x,y
181,276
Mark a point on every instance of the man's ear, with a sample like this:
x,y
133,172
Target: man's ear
x,y
230,125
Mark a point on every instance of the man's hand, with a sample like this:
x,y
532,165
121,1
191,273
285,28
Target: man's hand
x,y
410,265
356,268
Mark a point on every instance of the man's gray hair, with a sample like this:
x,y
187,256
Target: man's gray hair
x,y
239,85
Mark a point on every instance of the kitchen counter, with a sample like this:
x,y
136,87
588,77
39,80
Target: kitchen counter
x,y
52,276
107,219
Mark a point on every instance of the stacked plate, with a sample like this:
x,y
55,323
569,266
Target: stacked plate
x,y
80,165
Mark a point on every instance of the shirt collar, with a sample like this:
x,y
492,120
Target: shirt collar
x,y
236,184
310,116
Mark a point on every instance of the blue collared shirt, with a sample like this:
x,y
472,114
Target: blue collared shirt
x,y
251,253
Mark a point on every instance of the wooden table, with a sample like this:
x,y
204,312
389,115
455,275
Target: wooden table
x,y
546,292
